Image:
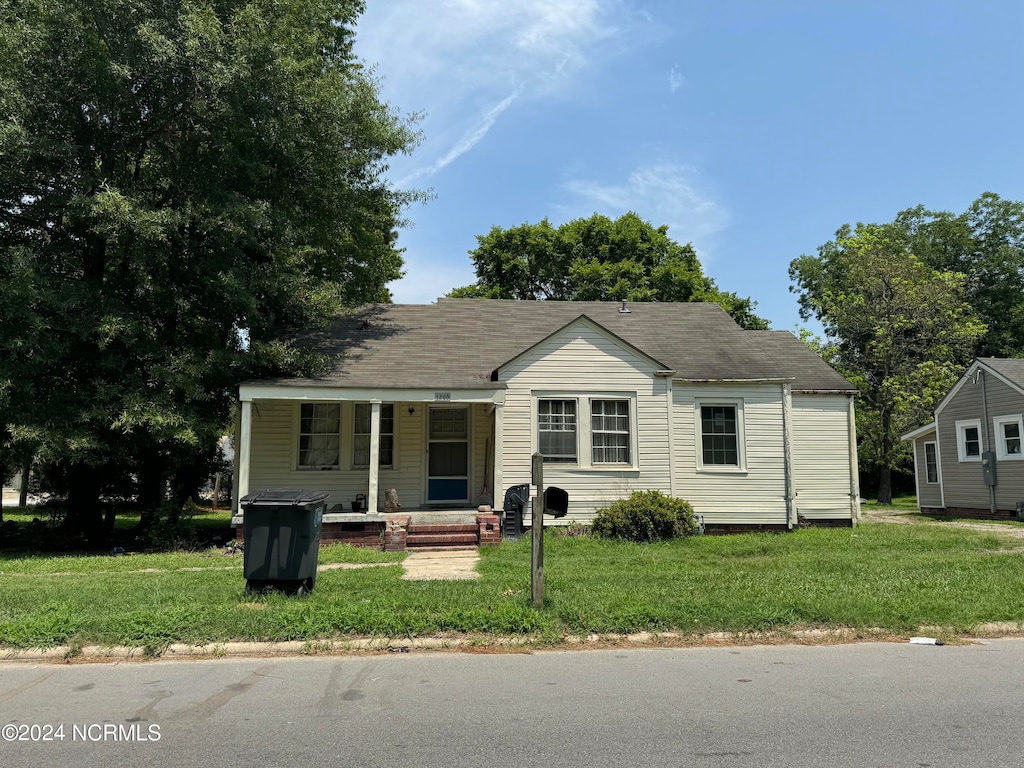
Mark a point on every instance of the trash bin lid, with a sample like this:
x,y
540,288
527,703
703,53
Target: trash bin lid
x,y
278,496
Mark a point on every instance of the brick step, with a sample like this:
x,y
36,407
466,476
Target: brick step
x,y
426,528
439,539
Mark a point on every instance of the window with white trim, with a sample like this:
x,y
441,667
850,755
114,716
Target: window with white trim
x,y
556,430
968,440
719,434
361,435
931,463
720,445
609,431
319,436
1009,433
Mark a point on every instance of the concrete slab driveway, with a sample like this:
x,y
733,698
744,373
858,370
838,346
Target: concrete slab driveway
x,y
454,565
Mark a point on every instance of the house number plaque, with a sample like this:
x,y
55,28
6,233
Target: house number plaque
x,y
442,396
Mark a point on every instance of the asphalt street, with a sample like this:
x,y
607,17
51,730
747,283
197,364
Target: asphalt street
x,y
873,704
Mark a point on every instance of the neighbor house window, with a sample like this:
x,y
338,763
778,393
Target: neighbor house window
x,y
609,431
720,436
361,435
968,440
931,463
556,430
1009,431
319,435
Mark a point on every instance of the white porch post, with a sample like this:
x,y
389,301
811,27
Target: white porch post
x,y
371,496
244,440
499,433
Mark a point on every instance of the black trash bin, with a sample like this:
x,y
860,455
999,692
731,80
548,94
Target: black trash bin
x,y
516,499
281,529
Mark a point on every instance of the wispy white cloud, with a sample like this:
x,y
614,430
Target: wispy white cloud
x,y
662,193
464,63
470,139
675,79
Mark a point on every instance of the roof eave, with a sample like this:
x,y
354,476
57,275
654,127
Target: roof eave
x,y
920,431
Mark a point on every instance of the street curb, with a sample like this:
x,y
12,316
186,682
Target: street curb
x,y
489,644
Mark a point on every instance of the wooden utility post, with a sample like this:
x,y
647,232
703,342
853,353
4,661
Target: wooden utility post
x,y
537,542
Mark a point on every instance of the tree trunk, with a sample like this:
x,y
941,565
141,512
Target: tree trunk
x,y
885,486
885,474
152,481
85,513
26,469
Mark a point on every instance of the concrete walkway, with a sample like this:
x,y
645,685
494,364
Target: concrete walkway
x,y
450,565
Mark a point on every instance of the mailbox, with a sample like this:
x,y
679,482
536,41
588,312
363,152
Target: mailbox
x,y
556,502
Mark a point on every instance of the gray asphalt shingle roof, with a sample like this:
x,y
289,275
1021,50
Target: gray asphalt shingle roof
x,y
458,343
1010,367
811,373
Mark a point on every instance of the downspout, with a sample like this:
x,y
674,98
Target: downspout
x,y
988,438
851,431
787,454
671,431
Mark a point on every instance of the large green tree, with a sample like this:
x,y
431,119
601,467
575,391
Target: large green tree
x,y
180,180
985,243
596,259
897,328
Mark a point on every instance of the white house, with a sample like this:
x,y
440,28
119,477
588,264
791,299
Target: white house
x,y
447,402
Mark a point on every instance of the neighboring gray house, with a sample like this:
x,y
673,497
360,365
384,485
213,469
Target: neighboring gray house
x,y
969,461
447,402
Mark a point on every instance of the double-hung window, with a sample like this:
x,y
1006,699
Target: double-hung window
x,y
361,435
719,435
609,431
588,431
556,430
319,436
968,440
1009,434
931,463
718,432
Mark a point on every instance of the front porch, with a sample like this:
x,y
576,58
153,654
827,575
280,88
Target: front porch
x,y
436,450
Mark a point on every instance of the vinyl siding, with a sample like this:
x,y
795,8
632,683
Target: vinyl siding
x,y
928,494
273,458
963,482
582,362
821,456
481,448
753,497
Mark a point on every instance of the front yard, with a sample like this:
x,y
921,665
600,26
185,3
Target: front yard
x,y
875,578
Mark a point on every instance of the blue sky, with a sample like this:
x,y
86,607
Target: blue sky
x,y
753,129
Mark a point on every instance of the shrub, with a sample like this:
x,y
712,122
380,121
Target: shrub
x,y
173,528
645,516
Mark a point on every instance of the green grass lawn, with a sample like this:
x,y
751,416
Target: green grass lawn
x,y
905,502
892,577
203,517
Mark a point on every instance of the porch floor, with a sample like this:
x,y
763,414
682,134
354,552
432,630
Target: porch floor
x,y
415,515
